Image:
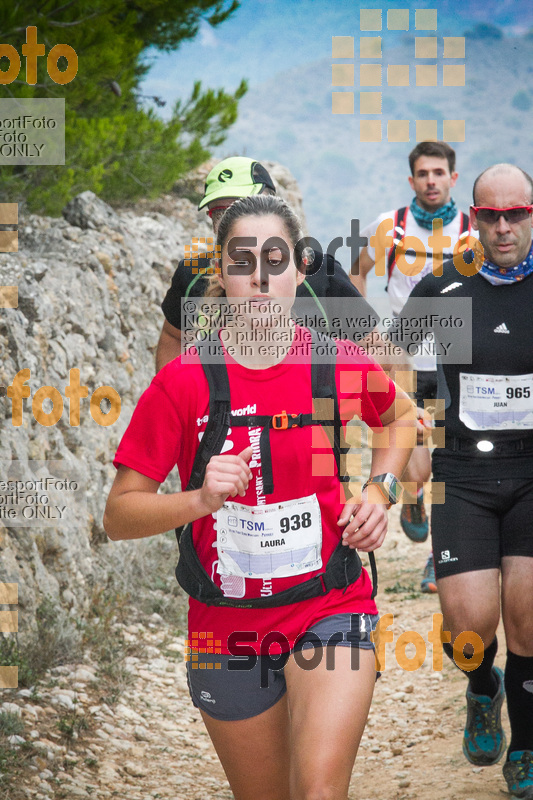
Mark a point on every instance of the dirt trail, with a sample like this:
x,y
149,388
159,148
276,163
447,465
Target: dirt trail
x,y
152,744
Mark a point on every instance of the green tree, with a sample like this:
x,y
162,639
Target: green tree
x,y
116,145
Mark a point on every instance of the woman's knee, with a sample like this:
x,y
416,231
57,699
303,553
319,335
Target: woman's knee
x,y
319,790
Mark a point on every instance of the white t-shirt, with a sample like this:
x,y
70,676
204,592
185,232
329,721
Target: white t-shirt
x,y
401,283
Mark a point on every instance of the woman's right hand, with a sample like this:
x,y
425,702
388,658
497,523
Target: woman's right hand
x,y
225,476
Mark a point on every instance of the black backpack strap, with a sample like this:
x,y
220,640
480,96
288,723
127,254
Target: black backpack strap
x,y
212,358
325,388
465,223
400,217
324,391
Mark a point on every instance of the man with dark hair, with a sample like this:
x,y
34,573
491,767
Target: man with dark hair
x,y
229,180
435,150
483,532
432,179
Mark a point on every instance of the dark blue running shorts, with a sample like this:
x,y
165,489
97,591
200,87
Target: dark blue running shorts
x,y
239,687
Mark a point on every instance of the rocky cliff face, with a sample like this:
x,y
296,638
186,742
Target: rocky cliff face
x,y
90,287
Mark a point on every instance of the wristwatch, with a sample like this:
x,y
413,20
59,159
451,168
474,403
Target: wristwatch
x,y
389,486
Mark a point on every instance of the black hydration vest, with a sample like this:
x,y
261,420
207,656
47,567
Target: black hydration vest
x,y
344,566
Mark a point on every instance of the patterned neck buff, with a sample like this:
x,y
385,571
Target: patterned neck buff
x,y
425,218
500,275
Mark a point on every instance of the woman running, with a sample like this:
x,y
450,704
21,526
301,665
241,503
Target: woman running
x,y
284,706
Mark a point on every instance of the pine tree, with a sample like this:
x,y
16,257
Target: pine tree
x,y
115,143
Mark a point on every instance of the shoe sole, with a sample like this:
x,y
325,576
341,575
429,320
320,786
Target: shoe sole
x,y
522,796
487,762
417,540
414,537
429,588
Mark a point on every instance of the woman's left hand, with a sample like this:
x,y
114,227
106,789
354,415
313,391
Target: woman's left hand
x,y
365,525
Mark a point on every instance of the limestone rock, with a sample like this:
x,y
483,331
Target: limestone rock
x,y
87,210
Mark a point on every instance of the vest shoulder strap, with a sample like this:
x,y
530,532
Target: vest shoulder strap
x,y
465,223
400,217
212,360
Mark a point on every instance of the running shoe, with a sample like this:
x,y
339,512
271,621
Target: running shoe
x,y
518,772
414,521
484,739
428,584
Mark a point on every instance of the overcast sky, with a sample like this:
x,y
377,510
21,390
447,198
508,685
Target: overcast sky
x,y
265,37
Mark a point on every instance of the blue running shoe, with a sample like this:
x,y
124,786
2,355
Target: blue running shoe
x,y
414,521
428,584
518,772
484,739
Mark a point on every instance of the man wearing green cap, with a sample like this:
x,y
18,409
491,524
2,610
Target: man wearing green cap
x,y
229,180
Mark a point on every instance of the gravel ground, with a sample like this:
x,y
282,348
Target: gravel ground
x,y
152,744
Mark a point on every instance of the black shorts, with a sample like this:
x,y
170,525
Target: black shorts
x,y
240,687
480,522
426,387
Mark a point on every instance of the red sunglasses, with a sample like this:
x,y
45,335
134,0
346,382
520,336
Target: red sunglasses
x,y
492,215
211,211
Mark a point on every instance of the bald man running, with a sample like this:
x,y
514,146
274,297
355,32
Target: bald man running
x,y
483,533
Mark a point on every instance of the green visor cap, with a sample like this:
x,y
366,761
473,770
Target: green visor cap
x,y
235,177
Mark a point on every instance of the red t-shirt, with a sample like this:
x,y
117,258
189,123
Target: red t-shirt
x,y
165,429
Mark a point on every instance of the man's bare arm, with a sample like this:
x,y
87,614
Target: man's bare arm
x,y
360,270
168,346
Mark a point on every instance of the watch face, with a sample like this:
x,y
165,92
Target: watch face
x,y
393,487
390,486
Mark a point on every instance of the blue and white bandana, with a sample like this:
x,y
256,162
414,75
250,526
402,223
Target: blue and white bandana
x,y
501,275
425,218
